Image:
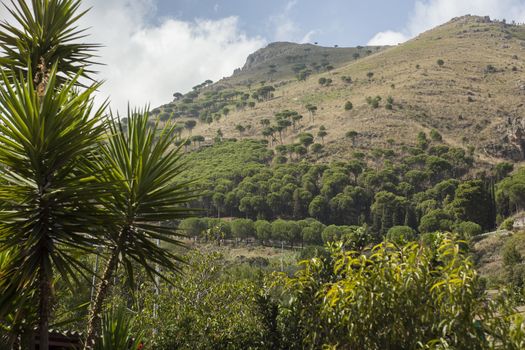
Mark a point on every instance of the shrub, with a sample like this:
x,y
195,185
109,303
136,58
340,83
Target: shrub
x,y
373,101
435,135
507,224
440,62
468,229
209,309
490,69
348,106
317,148
380,300
400,234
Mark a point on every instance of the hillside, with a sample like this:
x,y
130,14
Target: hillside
x,y
277,61
474,99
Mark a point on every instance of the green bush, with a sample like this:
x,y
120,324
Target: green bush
x,y
209,309
507,224
400,234
380,300
468,229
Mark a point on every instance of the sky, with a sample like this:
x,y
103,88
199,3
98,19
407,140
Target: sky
x,y
153,48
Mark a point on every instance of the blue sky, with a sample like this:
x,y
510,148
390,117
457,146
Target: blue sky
x,y
341,22
153,48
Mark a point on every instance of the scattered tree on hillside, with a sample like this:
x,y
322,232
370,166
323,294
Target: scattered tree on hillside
x,y
317,148
306,139
325,82
296,68
422,140
218,135
352,135
271,71
197,139
435,135
322,133
502,170
389,103
373,101
264,93
296,118
304,74
265,122
190,125
311,110
241,129
346,79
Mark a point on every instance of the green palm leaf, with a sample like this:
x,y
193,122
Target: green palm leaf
x,y
118,331
48,192
45,33
144,171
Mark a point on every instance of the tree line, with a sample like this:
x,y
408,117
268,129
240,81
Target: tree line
x,y
423,189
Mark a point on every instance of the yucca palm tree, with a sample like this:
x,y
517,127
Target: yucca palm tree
x,y
49,131
17,315
45,35
117,331
56,192
48,192
142,172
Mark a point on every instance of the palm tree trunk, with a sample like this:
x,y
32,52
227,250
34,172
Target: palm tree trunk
x,y
98,302
102,291
44,307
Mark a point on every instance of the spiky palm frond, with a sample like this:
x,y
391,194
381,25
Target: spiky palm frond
x,y
45,33
118,331
17,309
144,170
48,190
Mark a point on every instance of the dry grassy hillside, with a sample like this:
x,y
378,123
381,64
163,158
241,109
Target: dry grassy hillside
x,y
475,99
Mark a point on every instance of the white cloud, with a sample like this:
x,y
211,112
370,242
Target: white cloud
x,y
290,5
430,13
387,38
307,38
286,29
146,63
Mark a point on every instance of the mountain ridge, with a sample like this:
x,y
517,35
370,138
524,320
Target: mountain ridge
x,y
474,99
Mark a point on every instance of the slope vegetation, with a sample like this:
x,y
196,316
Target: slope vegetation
x,y
464,79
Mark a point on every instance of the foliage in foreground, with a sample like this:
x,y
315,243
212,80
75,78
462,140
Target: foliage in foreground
x,y
117,331
414,296
207,310
410,297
